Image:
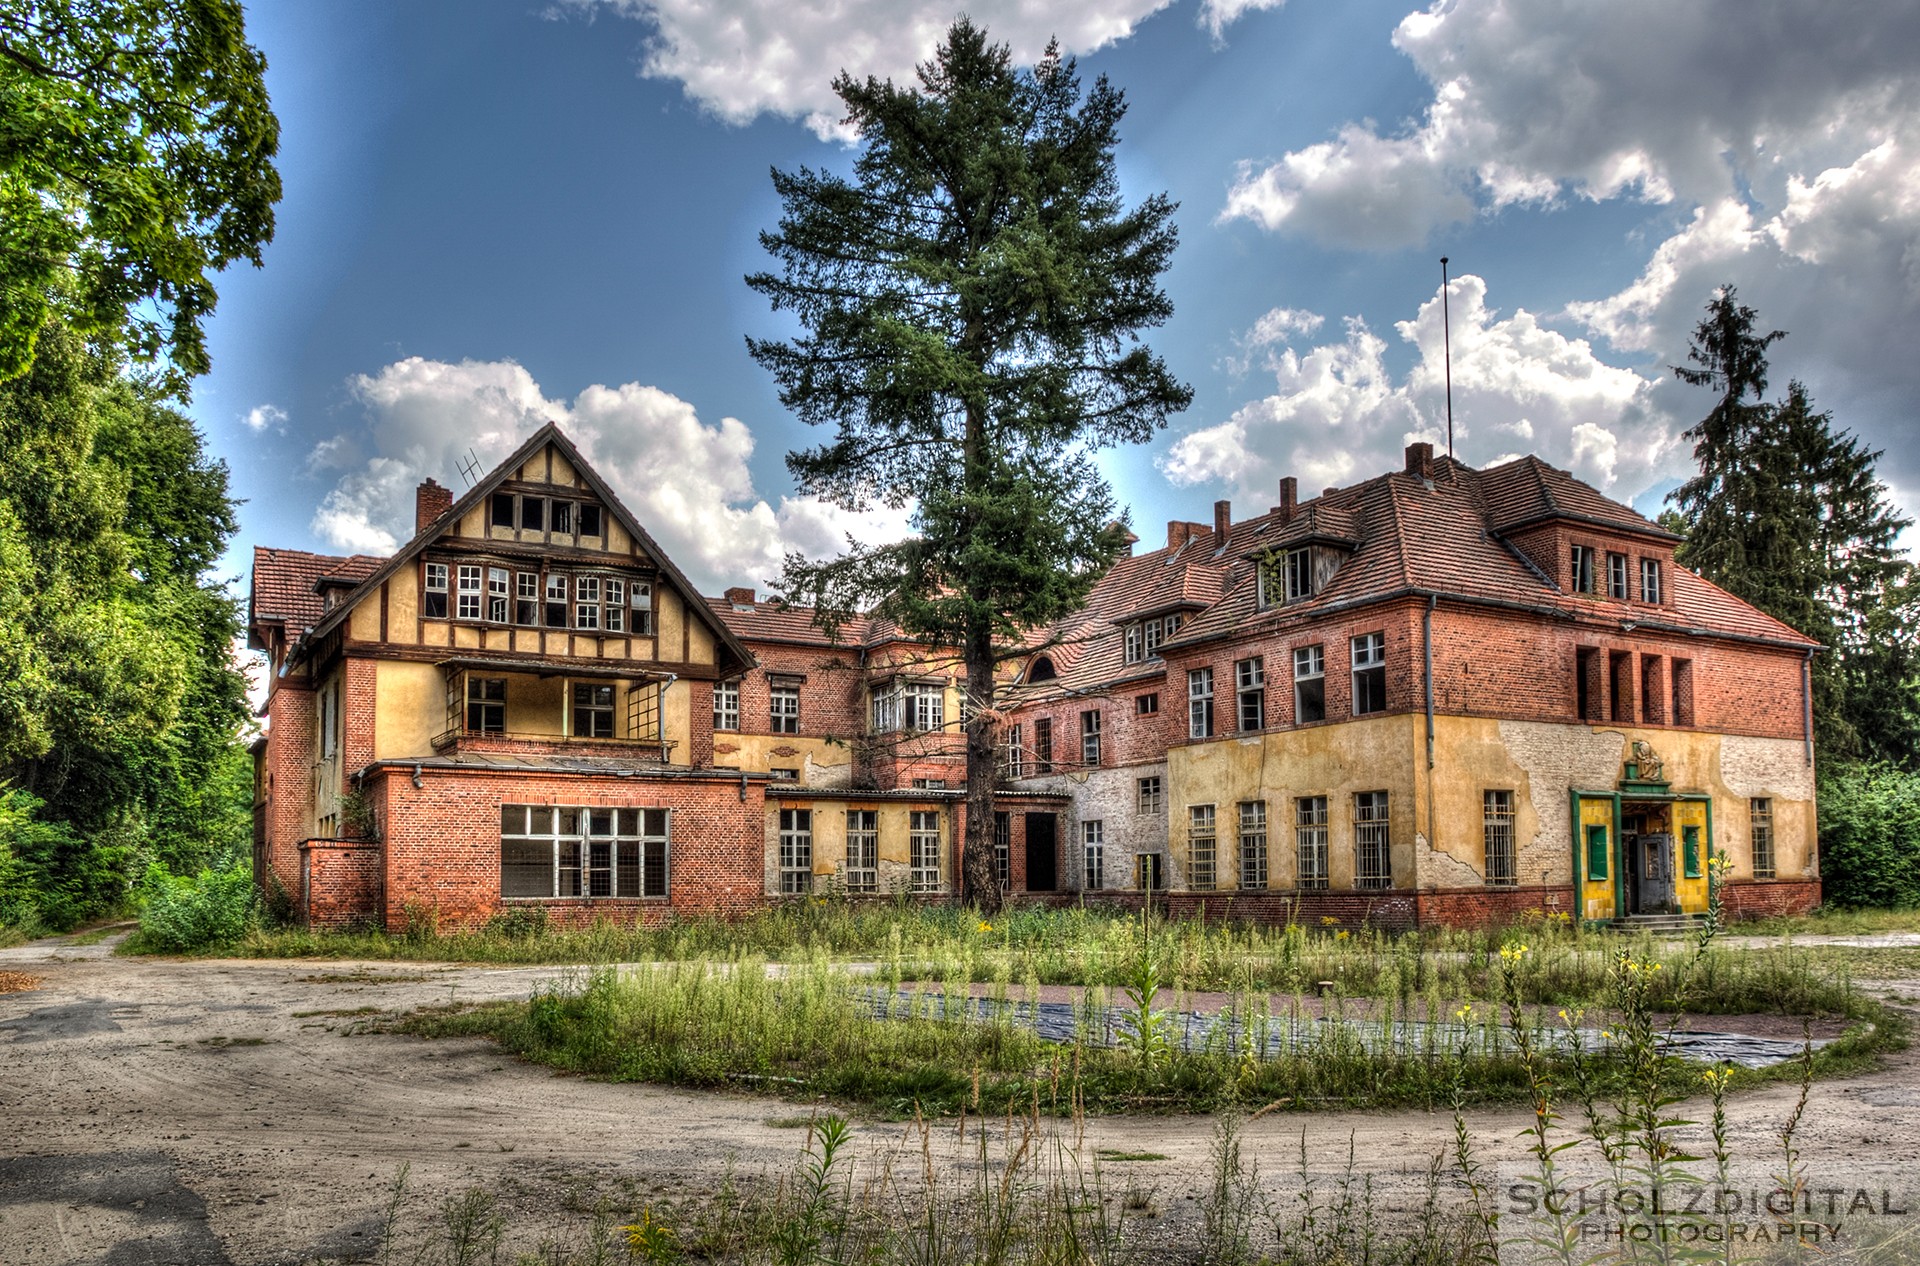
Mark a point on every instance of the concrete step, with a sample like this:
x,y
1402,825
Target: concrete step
x,y
1659,924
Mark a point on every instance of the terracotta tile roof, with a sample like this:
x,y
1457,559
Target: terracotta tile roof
x,y
1527,490
777,622
282,590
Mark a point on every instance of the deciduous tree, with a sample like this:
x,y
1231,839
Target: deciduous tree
x,y
971,303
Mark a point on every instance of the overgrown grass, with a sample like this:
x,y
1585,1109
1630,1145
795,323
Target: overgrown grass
x,y
1835,921
1568,967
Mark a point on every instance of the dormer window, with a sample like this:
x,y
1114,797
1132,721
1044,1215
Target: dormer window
x,y
1582,569
1144,636
1287,577
1650,580
1617,577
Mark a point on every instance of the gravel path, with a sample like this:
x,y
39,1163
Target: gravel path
x,y
225,1112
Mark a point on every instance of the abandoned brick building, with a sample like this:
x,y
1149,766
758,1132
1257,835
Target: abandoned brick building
x,y
1441,694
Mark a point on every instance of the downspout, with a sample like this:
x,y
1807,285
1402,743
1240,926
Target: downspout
x,y
1426,639
1806,704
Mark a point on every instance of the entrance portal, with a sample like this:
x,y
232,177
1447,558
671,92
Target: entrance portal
x,y
1647,842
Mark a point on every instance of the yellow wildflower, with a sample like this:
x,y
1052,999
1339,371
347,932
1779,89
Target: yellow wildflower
x,y
1342,935
985,926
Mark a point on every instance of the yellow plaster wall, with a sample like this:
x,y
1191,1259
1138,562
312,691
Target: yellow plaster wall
x,y
1334,761
755,751
700,643
1692,893
410,707
403,605
830,840
676,724
669,615
364,624
1597,895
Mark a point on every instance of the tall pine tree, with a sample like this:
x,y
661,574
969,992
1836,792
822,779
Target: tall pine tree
x,y
971,303
1789,514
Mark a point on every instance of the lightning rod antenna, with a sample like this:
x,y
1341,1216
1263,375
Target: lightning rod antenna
x,y
1446,335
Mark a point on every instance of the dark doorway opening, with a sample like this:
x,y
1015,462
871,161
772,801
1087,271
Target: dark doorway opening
x,y
1043,872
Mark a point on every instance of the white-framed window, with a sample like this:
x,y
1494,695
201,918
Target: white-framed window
x,y
1250,695
616,606
556,601
1309,684
726,705
1502,869
1148,795
1253,845
1093,847
563,851
499,579
863,850
923,850
1650,580
1617,577
486,705
1310,839
640,605
883,710
592,710
1200,703
796,850
1369,674
1133,640
433,603
1016,752
586,602
1582,568
468,575
526,597
1372,849
1003,847
1760,813
783,706
1090,737
1200,847
924,705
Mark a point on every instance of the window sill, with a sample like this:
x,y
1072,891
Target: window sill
x,y
586,900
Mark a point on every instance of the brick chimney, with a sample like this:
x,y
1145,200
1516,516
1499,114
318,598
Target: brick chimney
x,y
1289,499
740,597
1222,518
1420,460
430,501
1180,532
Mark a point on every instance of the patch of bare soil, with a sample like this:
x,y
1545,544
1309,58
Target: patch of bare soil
x,y
228,1113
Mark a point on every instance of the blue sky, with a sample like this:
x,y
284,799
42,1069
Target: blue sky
x,y
503,211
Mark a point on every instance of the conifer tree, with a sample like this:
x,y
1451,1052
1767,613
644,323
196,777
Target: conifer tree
x,y
1789,514
971,303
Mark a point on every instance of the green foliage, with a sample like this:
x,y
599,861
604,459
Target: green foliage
x,y
193,912
1870,836
1789,514
119,708
971,302
136,147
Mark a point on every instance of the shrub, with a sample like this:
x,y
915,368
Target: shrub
x,y
214,907
1870,836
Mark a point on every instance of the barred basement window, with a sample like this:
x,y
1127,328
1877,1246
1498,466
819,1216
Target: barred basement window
x,y
1093,844
923,850
486,705
726,706
863,850
469,596
1200,847
1253,844
1250,690
1090,738
1502,869
1760,809
1310,836
433,603
1309,684
1372,851
1003,848
558,851
1148,796
796,850
592,711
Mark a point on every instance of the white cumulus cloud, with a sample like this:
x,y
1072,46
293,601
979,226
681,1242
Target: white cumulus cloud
x,y
686,481
264,417
752,57
1338,412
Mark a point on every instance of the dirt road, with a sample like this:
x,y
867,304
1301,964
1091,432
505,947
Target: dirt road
x,y
223,1112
